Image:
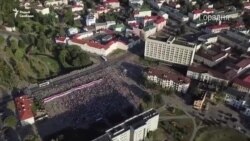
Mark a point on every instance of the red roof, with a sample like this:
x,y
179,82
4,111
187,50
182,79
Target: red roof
x,y
168,74
198,11
209,10
62,39
159,19
221,26
246,4
204,69
23,105
243,83
243,63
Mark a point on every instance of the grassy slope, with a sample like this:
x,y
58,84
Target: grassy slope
x,y
220,134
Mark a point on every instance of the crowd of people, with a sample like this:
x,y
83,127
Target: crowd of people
x,y
106,95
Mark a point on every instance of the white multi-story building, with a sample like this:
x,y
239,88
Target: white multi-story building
x,y
25,114
94,46
90,20
133,129
168,78
206,75
170,50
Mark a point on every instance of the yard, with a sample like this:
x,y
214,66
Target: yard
x,y
220,134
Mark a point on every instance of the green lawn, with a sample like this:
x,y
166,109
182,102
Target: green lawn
x,y
220,134
177,130
172,112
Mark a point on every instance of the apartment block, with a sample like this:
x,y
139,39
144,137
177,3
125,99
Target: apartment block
x,y
170,50
168,78
135,128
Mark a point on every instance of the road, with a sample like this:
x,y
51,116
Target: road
x,y
75,74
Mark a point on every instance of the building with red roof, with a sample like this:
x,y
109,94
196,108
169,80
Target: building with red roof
x,y
24,110
246,5
205,74
103,48
217,28
210,56
168,78
242,83
195,14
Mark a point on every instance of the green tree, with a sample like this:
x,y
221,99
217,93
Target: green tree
x,y
2,40
10,121
69,17
21,44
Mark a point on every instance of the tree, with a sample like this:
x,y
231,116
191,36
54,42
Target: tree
x,y
2,40
13,45
69,17
21,44
10,121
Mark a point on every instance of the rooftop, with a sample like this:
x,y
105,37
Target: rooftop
x,y
23,105
168,74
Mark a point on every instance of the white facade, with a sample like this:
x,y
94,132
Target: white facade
x,y
163,14
100,51
28,121
210,63
143,13
124,136
171,51
77,8
56,2
135,128
72,31
205,77
90,20
178,86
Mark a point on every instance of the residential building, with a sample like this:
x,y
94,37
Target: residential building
x,y
208,38
242,83
245,38
77,8
61,40
135,128
205,74
168,78
163,14
104,47
217,28
234,97
72,31
170,50
195,14
90,19
142,13
140,2
99,26
56,2
211,56
24,110
198,23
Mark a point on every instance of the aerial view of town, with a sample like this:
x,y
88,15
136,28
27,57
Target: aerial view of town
x,y
124,70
